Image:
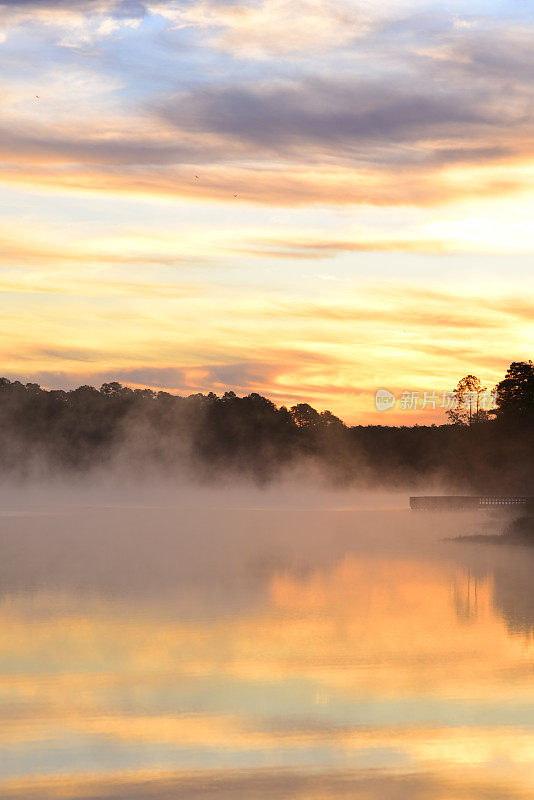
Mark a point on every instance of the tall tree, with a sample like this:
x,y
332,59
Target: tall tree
x,y
515,393
467,404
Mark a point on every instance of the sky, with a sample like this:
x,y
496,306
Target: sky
x,y
310,199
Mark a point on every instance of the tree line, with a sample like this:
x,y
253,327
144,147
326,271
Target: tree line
x,y
209,438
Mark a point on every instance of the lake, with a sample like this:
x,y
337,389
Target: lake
x,y
237,647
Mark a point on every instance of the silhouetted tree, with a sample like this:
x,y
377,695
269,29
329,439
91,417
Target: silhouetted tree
x,y
515,394
211,437
329,419
467,398
305,416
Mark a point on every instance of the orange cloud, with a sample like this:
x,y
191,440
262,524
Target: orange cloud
x,y
264,784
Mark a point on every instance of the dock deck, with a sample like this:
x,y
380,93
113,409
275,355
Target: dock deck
x,y
467,502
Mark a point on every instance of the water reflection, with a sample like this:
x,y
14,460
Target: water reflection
x,y
261,653
510,569
466,595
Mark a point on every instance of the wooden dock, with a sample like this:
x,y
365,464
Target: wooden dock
x,y
468,502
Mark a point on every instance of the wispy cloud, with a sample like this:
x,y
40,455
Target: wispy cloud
x,y
329,114
267,28
262,784
333,353
401,133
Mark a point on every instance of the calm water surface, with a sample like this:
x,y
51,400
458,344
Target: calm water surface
x,y
262,652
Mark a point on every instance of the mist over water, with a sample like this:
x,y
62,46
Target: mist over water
x,y
291,642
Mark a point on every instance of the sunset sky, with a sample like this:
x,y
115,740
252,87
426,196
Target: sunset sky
x,y
311,199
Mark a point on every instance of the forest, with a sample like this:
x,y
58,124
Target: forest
x,y
210,438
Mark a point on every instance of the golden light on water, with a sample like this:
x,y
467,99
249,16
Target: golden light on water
x,y
385,664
